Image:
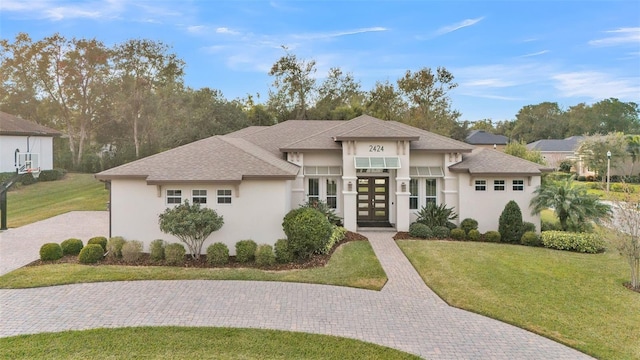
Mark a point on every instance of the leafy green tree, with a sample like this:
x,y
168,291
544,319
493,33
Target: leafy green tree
x,y
384,102
191,224
571,203
616,116
510,223
593,152
339,96
519,149
294,86
543,121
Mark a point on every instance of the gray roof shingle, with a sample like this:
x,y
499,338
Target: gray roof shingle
x,y
481,137
492,162
13,125
569,144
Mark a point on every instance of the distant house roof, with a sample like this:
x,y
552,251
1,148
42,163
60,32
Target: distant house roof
x,y
556,145
484,161
481,137
13,125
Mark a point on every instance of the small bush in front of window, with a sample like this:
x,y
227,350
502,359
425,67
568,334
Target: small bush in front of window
x,y
100,240
441,232
283,253
131,251
50,251
218,254
474,235
420,230
492,236
114,247
469,224
245,251
337,235
91,254
156,249
265,256
71,246
458,234
174,254
324,208
308,230
510,223
530,238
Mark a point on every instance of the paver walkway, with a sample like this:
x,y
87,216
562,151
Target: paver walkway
x,y
405,315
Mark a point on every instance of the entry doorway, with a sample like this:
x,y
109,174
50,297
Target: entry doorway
x,y
373,202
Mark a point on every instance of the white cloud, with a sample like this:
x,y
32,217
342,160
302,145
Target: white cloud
x,y
327,35
459,25
225,30
535,53
596,85
196,29
491,82
619,36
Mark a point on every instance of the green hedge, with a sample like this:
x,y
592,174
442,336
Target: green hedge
x,y
579,242
50,251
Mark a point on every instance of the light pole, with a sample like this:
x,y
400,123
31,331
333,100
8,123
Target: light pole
x,y
608,168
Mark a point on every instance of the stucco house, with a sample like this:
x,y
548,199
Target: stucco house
x,y
372,172
481,138
554,151
19,136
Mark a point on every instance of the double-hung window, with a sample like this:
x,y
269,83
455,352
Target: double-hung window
x,y
313,195
224,196
199,196
498,185
174,196
323,189
518,185
413,196
481,185
332,193
431,191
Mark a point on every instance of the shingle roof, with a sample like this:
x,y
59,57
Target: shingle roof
x,y
481,137
491,162
569,144
13,125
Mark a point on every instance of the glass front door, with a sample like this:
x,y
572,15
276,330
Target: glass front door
x,y
373,199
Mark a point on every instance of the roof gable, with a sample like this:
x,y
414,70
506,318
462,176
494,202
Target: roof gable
x,y
484,161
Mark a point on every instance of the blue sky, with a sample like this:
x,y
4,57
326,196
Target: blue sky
x,y
504,55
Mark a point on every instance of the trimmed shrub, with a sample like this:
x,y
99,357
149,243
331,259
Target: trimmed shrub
x,y
474,235
114,247
458,234
91,254
28,179
530,238
174,254
131,251
528,226
468,224
156,249
492,236
510,223
71,246
283,254
265,256
307,230
549,226
218,254
441,232
50,251
246,251
420,230
51,175
100,240
337,235
578,242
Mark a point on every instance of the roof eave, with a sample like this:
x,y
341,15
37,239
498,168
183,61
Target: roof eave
x,y
107,177
201,181
28,133
374,138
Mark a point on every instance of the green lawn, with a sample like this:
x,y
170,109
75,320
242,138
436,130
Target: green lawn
x,y
190,343
576,299
31,203
353,264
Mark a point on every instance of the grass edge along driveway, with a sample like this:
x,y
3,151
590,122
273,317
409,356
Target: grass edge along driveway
x,y
575,299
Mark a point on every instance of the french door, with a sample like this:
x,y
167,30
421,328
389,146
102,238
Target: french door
x,y
373,199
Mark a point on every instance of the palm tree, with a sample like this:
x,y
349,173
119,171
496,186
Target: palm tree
x,y
571,203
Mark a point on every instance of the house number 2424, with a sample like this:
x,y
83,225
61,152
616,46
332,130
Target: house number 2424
x,y
376,148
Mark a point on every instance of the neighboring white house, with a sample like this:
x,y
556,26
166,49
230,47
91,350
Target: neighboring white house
x,y
19,136
372,172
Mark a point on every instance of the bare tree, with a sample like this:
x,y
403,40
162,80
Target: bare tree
x,y
625,233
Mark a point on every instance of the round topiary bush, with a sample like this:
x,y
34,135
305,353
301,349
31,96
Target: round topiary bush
x,y
530,238
50,251
492,236
265,255
100,240
91,254
307,230
246,251
468,224
283,254
131,251
441,232
218,254
114,246
71,246
458,234
474,235
174,254
420,230
156,249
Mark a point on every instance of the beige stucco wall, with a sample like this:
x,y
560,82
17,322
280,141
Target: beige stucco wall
x,y
41,145
255,214
486,206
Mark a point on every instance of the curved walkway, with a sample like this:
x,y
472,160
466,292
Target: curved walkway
x,y
405,315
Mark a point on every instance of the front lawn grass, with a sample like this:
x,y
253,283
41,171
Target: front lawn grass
x,y
190,343
353,264
576,299
42,200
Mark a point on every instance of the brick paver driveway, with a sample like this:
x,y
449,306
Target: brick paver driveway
x,y
405,315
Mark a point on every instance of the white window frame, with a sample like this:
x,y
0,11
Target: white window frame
x,y
519,186
200,194
422,198
172,195
414,184
499,185
224,196
480,185
430,198
322,194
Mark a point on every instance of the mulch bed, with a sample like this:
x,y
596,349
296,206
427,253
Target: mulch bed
x,y
145,260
